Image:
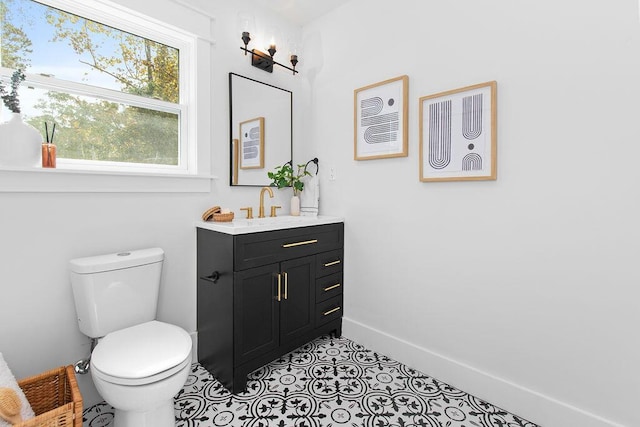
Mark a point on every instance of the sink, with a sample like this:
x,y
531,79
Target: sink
x,y
276,220
256,225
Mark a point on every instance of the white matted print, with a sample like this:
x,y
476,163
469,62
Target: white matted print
x,y
458,134
252,144
380,120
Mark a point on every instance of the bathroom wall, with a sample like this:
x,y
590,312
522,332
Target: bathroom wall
x,y
40,232
523,290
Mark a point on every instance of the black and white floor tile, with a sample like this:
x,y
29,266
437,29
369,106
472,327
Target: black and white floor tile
x,y
327,383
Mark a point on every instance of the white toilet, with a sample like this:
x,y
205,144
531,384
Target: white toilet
x,y
139,364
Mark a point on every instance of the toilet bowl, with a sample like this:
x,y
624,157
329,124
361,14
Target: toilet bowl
x,y
138,371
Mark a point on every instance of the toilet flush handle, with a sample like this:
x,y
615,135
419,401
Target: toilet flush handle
x,y
212,278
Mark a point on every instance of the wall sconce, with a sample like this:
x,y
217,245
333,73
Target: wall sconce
x,y
262,60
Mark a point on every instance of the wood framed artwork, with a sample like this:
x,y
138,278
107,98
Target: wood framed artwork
x,y
235,144
251,148
458,134
381,120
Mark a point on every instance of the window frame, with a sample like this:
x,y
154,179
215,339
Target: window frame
x,y
190,48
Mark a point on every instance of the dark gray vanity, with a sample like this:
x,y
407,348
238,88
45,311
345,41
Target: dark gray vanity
x,y
266,292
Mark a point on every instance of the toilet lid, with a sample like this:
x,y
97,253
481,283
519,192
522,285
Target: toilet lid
x,y
141,351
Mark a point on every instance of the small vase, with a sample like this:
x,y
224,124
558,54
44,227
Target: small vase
x,y
20,143
48,155
295,206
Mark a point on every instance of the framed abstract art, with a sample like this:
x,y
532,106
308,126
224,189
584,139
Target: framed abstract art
x,y
458,134
381,119
251,148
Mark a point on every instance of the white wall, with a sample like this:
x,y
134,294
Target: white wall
x,y
523,290
41,232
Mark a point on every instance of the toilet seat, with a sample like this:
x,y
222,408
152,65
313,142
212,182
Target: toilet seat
x,y
142,354
141,381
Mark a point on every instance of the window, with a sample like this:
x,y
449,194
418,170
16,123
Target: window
x,y
116,86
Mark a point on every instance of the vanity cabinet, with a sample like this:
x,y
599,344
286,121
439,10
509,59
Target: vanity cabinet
x,y
261,295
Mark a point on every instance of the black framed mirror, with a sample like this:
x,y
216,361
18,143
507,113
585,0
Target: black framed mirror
x,y
261,129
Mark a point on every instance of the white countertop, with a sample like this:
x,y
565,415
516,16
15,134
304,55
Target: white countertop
x,y
256,225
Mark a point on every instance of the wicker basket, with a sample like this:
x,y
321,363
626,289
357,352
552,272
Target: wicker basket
x,y
55,398
223,217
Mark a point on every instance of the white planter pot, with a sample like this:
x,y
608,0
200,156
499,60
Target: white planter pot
x,y
20,143
295,206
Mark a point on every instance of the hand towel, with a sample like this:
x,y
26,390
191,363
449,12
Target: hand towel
x,y
8,380
310,196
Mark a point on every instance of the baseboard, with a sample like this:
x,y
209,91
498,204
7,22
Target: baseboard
x,y
529,404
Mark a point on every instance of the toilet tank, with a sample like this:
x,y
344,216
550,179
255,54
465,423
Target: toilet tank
x,y
115,291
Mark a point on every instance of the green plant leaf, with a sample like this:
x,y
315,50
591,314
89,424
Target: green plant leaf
x,y
284,176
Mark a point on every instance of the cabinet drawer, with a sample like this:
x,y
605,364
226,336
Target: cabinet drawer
x,y
328,286
329,310
329,263
253,250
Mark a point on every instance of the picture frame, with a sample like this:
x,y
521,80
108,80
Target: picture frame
x,y
381,120
235,149
251,144
458,140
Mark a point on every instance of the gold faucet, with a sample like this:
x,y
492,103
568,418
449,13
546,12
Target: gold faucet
x,y
249,212
270,191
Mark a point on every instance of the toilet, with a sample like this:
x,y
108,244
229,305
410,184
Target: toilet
x,y
139,363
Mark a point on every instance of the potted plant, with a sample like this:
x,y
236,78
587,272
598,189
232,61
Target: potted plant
x,y
20,143
284,176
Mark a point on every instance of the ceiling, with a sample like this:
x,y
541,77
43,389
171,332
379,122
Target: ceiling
x,y
301,12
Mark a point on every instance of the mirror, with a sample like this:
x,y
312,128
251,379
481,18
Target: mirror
x,y
260,129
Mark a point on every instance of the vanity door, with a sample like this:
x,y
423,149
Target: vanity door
x,y
256,312
297,301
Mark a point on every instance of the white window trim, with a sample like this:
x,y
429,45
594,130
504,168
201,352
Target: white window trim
x,y
33,180
78,176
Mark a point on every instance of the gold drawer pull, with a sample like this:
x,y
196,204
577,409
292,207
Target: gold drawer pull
x,y
286,284
279,287
337,285
306,242
329,264
326,313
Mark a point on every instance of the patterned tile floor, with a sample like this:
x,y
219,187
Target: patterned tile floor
x,y
327,383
